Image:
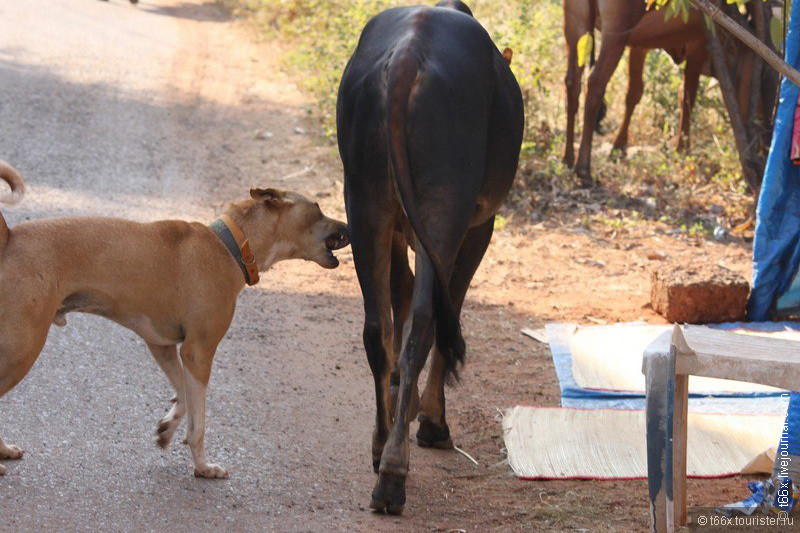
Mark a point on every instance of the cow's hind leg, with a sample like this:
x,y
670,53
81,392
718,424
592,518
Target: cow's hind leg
x,y
402,285
433,429
389,492
371,240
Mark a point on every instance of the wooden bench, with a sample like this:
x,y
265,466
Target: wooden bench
x,y
668,363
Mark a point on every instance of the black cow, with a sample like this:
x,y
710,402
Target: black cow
x,y
430,123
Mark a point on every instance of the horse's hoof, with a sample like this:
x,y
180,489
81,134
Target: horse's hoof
x,y
585,178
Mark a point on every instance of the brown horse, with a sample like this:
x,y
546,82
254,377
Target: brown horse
x,y
626,23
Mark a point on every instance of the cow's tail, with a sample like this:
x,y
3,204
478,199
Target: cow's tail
x,y
403,72
17,184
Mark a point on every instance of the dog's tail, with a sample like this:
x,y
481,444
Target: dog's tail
x,y
17,184
402,76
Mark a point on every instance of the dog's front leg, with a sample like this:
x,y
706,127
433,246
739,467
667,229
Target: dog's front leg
x,y
196,372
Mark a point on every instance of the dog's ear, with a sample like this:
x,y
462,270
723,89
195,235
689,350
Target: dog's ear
x,y
271,197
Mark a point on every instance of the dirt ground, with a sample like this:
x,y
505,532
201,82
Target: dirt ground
x,y
294,362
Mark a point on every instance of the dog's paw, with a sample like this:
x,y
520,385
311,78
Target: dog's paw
x,y
2,470
166,429
162,440
9,451
167,425
211,471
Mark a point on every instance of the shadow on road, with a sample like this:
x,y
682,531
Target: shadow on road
x,y
132,153
208,12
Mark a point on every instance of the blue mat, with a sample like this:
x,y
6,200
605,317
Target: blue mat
x,y
576,397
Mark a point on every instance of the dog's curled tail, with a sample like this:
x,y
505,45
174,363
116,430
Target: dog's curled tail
x,y
15,181
17,184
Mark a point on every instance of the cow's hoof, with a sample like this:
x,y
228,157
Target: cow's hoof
x,y
430,435
389,494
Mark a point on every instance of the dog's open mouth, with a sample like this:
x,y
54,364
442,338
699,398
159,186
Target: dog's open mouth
x,y
331,260
335,241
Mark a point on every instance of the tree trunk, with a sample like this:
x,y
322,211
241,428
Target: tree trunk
x,y
754,124
717,15
751,166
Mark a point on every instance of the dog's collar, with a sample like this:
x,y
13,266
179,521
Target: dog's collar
x,y
237,244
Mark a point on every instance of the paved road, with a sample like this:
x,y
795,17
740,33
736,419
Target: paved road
x,y
148,112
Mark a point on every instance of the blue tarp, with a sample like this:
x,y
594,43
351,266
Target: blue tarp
x,y
572,395
776,249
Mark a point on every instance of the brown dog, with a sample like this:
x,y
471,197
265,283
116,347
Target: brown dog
x,y
171,282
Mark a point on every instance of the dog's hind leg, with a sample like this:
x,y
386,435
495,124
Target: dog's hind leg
x,y
17,355
197,360
8,451
167,359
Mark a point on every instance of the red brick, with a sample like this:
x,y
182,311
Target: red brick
x,y
698,294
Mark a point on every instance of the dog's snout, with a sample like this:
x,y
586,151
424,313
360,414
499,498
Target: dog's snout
x,y
339,239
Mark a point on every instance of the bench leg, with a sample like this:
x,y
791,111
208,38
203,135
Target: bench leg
x,y
680,430
660,379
